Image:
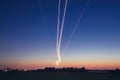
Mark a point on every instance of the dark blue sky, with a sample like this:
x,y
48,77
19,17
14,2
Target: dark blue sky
x,y
28,32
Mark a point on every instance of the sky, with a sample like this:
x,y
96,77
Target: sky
x,y
28,31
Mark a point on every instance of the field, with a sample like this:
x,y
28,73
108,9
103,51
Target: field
x,y
60,75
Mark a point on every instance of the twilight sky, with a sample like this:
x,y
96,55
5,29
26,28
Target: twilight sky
x,y
28,34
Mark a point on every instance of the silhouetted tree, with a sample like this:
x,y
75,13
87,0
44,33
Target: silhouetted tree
x,y
49,69
117,69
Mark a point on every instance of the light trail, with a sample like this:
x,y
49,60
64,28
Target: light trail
x,y
58,25
62,25
77,23
59,34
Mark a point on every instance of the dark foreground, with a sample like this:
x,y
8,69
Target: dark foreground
x,y
60,75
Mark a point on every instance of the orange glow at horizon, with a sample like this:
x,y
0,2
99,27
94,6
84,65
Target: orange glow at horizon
x,y
87,65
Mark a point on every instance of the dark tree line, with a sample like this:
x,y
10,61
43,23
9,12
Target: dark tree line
x,y
53,69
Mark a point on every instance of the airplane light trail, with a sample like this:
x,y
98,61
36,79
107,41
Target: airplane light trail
x,y
59,32
62,26
58,25
60,29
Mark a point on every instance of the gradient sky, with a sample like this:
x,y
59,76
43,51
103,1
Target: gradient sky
x,y
28,34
